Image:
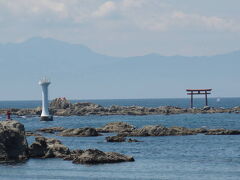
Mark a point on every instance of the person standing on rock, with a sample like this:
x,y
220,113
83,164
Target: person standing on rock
x,y
8,114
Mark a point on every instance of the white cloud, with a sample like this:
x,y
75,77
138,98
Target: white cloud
x,y
152,15
33,7
181,20
133,3
115,21
105,9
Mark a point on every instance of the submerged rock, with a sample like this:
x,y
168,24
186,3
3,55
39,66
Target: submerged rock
x,y
13,143
80,132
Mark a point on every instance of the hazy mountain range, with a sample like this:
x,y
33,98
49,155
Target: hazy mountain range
x,y
77,72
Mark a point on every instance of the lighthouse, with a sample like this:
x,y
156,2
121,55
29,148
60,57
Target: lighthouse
x,y
45,113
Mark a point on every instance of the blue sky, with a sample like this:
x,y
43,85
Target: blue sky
x,y
127,27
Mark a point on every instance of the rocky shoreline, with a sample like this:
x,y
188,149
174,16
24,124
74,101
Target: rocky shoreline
x,y
14,148
62,107
123,130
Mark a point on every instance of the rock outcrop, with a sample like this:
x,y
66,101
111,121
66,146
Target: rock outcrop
x,y
14,147
13,143
63,107
116,127
133,140
172,131
222,132
95,156
84,132
53,148
120,138
60,103
48,148
30,133
51,130
115,139
159,131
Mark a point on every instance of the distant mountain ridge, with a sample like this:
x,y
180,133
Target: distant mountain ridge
x,y
78,72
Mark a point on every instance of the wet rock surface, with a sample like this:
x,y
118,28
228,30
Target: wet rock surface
x,y
175,131
14,147
48,148
116,127
159,131
120,138
30,133
53,148
95,156
222,132
13,143
115,139
82,132
60,103
51,129
133,140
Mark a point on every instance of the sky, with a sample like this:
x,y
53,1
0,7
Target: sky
x,y
127,27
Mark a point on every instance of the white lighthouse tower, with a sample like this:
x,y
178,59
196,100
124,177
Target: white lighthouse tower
x,y
45,113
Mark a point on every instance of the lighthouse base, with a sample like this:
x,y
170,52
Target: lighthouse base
x,y
46,118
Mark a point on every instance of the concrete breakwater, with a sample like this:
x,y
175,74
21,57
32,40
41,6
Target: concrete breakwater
x,y
62,107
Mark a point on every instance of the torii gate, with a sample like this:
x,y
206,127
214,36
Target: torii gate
x,y
199,92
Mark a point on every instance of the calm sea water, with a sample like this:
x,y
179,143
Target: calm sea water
x,y
197,157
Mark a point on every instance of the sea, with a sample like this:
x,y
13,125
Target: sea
x,y
195,157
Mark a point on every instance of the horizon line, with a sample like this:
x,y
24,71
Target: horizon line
x,y
126,98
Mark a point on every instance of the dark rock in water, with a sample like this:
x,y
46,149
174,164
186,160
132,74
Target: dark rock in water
x,y
199,130
51,129
206,108
48,148
222,132
133,140
79,132
46,118
159,131
30,133
116,127
60,103
115,139
26,112
13,144
95,156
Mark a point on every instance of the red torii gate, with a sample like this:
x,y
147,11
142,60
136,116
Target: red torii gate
x,y
199,92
